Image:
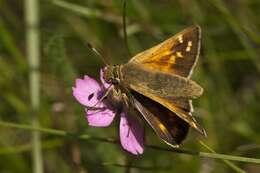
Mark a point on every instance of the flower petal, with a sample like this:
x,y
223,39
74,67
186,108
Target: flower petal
x,y
131,134
105,84
87,91
100,118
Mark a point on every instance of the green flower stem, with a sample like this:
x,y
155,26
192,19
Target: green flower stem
x,y
229,157
31,9
230,164
84,11
62,133
124,28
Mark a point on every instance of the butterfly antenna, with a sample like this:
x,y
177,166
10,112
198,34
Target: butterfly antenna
x,y
98,54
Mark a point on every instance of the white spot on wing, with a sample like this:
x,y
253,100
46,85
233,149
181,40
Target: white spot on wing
x,y
180,38
188,48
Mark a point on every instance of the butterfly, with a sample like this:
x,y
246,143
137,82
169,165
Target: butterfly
x,y
157,85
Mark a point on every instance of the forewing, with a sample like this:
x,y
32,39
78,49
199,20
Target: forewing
x,y
177,55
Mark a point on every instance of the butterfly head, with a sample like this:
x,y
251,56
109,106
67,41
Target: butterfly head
x,y
111,74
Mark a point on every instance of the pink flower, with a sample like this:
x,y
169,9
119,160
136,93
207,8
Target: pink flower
x,y
88,92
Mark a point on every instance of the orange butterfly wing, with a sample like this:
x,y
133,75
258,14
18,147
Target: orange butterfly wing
x,y
177,55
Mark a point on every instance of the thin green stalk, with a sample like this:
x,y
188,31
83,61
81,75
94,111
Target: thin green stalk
x,y
85,11
124,28
230,164
33,54
89,12
109,17
62,133
229,157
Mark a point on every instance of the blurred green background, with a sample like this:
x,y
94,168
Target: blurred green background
x,y
228,69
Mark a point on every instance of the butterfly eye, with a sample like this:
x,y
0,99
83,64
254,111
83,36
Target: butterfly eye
x,y
113,81
109,80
